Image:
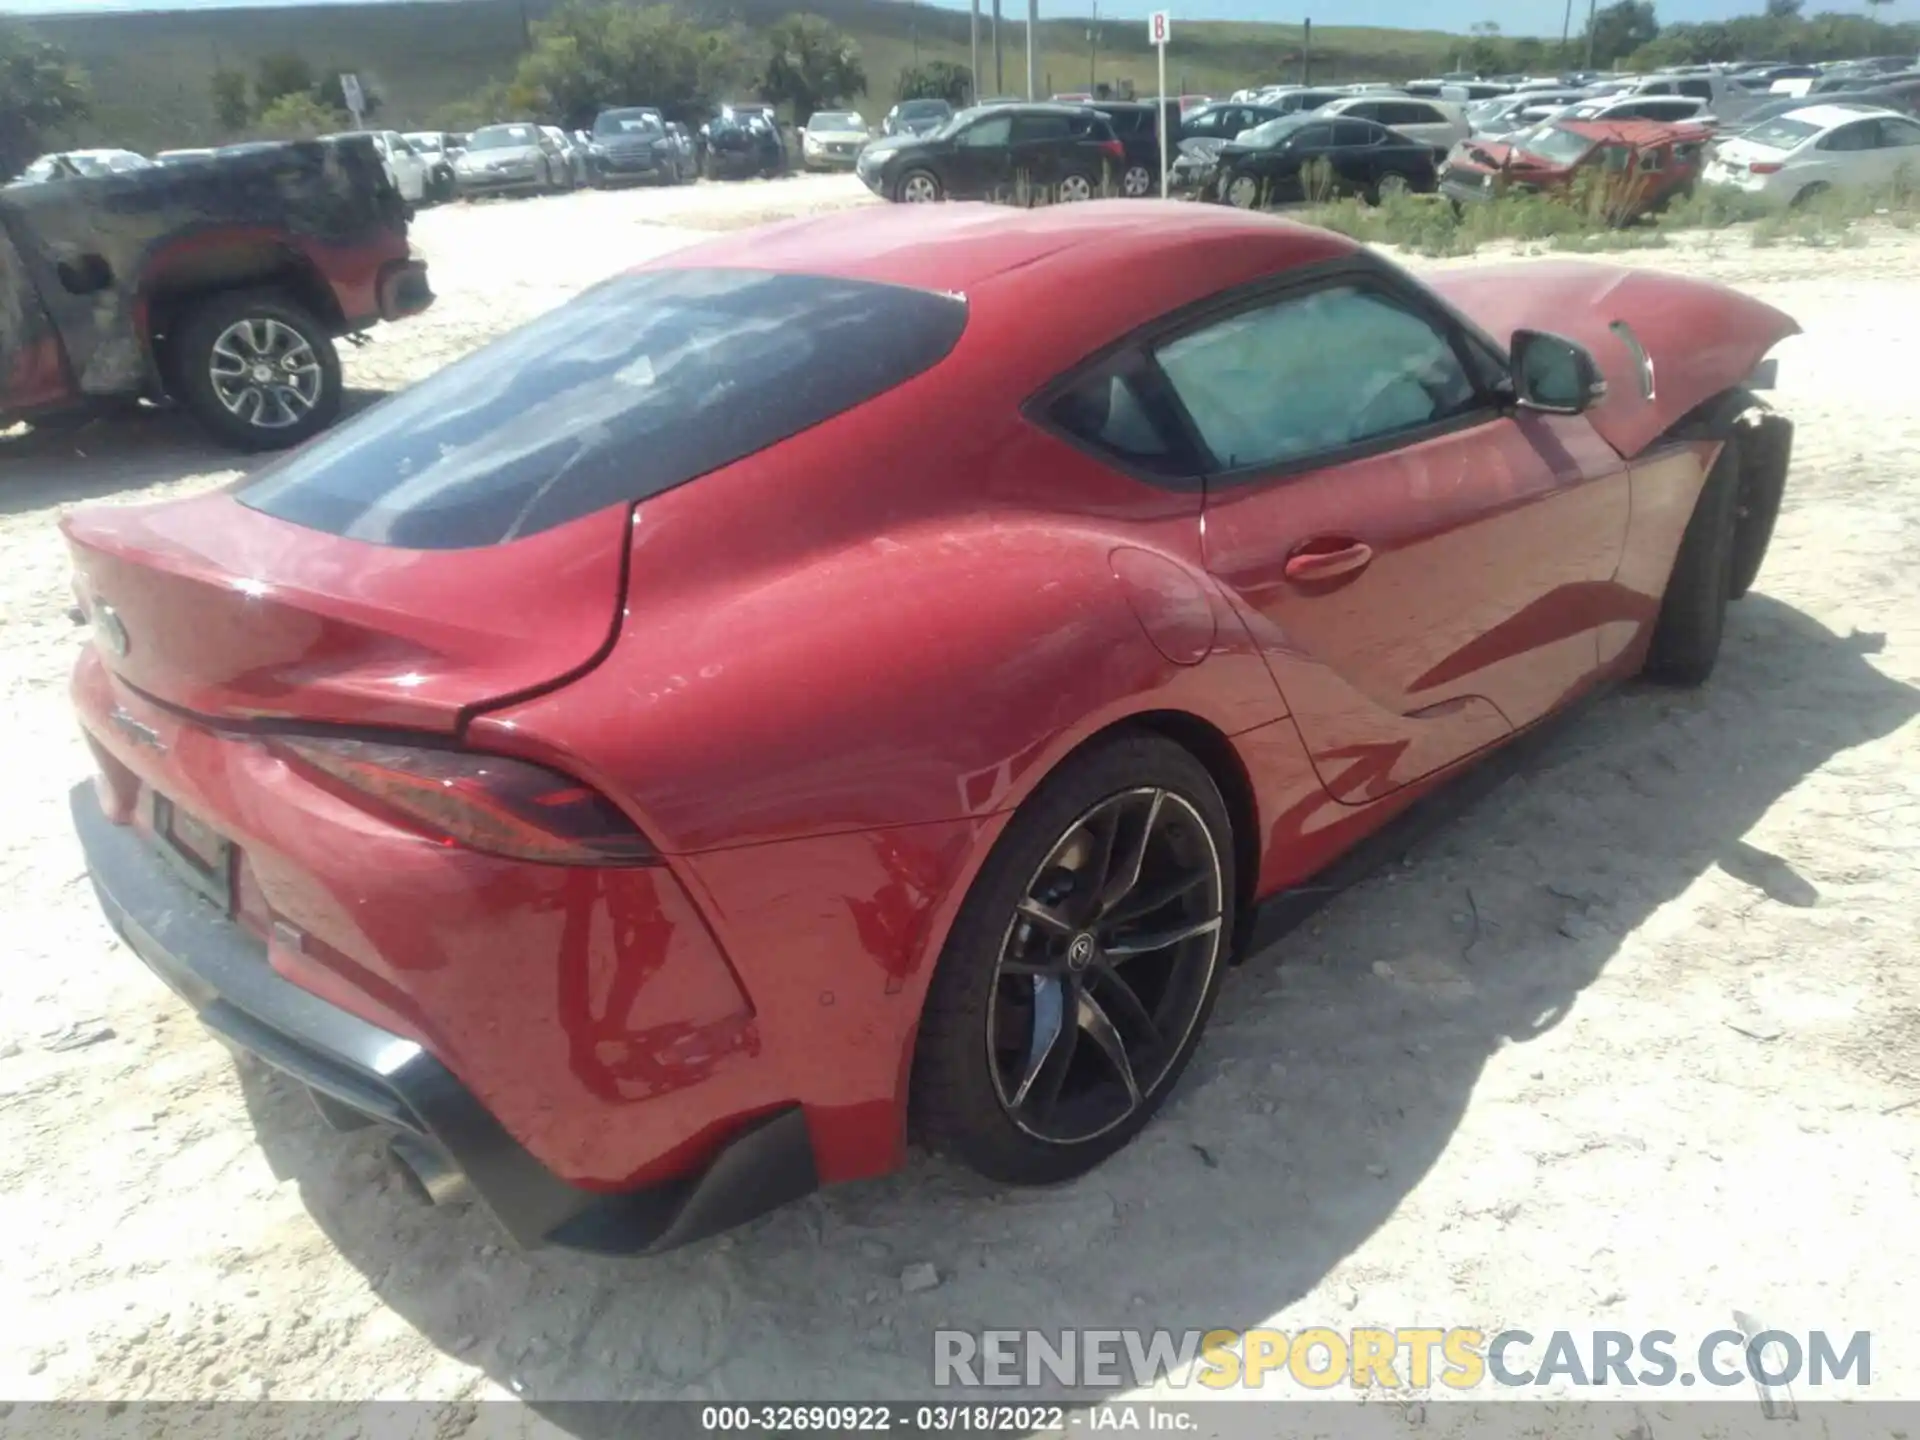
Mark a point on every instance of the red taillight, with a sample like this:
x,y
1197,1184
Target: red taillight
x,y
484,802
1766,167
1114,148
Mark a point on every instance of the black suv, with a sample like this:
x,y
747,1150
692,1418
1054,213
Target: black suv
x,y
1133,123
1000,152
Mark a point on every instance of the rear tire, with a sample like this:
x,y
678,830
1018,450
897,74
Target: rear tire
x,y
1693,613
919,187
1808,194
980,1016
220,348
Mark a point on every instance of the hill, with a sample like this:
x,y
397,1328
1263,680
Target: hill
x,y
150,69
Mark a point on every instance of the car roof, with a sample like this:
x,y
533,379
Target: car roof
x,y
1828,115
954,247
1636,132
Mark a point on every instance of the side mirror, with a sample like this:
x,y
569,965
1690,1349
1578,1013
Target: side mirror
x,y
1554,375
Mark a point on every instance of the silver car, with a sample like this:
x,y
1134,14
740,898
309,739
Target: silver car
x,y
516,158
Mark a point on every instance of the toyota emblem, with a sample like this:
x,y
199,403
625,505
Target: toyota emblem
x,y
1080,952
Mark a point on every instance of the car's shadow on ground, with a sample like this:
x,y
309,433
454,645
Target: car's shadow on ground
x,y
125,449
1337,1069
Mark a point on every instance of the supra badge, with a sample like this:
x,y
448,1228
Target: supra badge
x,y
136,732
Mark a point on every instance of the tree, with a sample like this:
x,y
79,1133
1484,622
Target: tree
x,y
1484,52
278,75
298,116
1784,9
810,66
40,91
589,57
935,80
231,111
1621,28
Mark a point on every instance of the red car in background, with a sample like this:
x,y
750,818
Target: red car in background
x,y
842,682
1634,166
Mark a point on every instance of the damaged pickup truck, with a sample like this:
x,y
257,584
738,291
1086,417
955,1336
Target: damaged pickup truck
x,y
221,285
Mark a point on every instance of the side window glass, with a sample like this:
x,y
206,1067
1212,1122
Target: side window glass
x,y
1314,374
1040,128
1355,133
1105,410
987,134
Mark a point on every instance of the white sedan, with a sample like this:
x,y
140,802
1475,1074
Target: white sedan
x,y
1796,156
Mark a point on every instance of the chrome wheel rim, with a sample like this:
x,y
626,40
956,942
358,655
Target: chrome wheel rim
x,y
1105,966
1075,188
265,373
1137,181
1241,192
920,190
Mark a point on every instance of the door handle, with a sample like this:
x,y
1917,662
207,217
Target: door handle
x,y
1351,558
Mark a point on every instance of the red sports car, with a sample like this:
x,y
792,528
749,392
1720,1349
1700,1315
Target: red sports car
x,y
867,678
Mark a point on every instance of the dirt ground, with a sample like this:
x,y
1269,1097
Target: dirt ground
x,y
1635,1043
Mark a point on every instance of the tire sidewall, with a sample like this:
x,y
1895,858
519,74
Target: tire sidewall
x,y
190,353
900,187
1693,612
955,1107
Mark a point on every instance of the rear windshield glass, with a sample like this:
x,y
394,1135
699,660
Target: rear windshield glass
x,y
1781,134
643,383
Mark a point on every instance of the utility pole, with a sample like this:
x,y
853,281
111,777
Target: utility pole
x,y
913,28
1566,29
1033,48
1306,52
973,69
1591,6
1093,49
999,69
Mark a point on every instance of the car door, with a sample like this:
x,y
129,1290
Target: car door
x,y
1040,147
1424,568
33,367
1896,149
1355,155
981,162
1843,156
1292,170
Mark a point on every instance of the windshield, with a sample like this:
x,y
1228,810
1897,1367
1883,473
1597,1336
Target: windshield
x,y
425,142
504,137
924,109
836,120
1562,147
1274,131
1781,134
627,122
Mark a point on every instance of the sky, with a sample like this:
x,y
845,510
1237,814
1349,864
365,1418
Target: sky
x,y
1515,17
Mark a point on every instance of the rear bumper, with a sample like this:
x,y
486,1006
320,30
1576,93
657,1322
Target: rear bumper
x,y
360,1073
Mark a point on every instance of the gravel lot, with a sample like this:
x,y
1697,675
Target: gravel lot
x,y
1635,1043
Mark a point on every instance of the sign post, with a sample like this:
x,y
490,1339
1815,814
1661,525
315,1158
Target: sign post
x,y
1159,27
356,99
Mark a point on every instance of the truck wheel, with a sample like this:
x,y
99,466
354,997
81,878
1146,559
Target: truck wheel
x,y
257,370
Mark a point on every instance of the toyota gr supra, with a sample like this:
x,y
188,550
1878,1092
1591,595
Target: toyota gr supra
x,y
866,679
